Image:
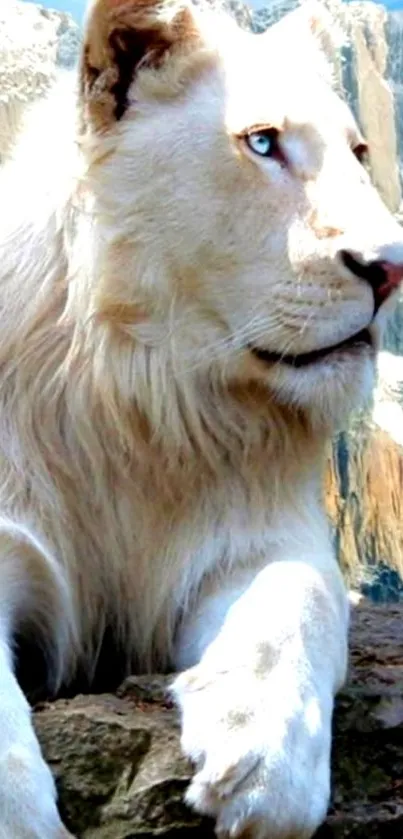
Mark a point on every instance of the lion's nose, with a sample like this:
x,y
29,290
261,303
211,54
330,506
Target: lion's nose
x,y
383,276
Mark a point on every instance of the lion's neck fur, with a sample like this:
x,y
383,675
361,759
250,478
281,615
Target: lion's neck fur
x,y
107,453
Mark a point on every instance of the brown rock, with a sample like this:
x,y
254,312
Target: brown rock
x,y
121,775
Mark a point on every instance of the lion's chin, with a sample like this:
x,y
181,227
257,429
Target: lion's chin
x,y
330,390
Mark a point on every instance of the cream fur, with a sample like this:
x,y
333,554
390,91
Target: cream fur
x,y
155,477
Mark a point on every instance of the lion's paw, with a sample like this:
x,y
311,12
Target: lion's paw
x,y
262,753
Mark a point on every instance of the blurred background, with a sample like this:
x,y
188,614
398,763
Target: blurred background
x,y
77,7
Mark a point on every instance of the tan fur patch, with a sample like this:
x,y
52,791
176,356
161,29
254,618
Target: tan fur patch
x,y
121,38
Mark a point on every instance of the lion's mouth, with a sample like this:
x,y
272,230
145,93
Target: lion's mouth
x,y
360,339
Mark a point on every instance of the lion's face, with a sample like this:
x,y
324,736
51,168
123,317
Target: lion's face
x,y
245,220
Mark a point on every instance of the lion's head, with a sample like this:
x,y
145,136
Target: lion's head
x,y
236,225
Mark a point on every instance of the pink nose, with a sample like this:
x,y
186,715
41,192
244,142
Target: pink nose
x,y
383,277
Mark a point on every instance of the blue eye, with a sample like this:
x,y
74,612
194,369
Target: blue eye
x,y
264,142
260,144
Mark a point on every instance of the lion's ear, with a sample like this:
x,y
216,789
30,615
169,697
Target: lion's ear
x,y
312,17
316,35
122,37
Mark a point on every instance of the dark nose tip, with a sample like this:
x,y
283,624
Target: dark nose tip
x,y
382,276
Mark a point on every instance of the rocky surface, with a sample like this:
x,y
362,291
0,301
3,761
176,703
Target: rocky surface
x,y
35,44
120,773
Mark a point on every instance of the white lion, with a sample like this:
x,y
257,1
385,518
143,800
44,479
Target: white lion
x,y
194,280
